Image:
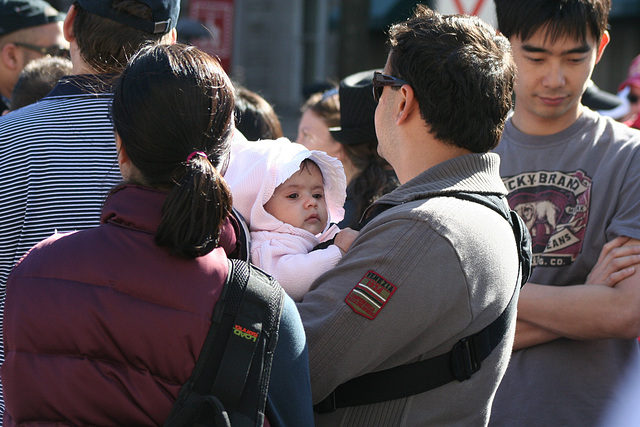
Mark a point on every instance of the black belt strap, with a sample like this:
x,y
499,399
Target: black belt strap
x,y
414,378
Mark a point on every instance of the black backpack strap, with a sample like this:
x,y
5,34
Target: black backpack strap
x,y
243,236
467,354
231,377
418,377
499,204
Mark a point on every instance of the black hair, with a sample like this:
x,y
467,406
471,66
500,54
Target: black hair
x,y
308,164
326,105
572,18
170,102
106,45
374,178
37,79
255,117
462,74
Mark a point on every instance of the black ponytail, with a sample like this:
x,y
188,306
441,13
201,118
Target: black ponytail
x,y
194,211
173,109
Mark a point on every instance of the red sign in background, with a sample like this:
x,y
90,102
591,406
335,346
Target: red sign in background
x,y
474,10
217,17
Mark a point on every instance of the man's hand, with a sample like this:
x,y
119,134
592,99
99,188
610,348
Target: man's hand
x,y
590,310
616,263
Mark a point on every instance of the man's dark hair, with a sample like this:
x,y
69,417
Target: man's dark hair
x,y
572,18
107,45
37,79
462,74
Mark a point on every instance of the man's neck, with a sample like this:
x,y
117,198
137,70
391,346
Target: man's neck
x,y
533,124
79,65
82,68
425,156
5,88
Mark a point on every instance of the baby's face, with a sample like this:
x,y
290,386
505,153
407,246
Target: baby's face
x,y
299,200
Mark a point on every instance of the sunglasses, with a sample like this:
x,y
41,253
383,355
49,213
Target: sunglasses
x,y
381,80
632,98
50,50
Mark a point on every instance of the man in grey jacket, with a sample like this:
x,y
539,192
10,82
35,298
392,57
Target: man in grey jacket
x,y
428,270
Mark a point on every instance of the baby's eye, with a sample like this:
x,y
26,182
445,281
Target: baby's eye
x,y
293,196
318,196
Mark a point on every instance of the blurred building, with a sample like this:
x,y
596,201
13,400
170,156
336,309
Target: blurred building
x,y
286,48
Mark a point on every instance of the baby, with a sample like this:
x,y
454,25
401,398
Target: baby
x,y
289,197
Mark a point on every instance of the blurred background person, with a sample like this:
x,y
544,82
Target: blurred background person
x,y
319,113
37,79
371,175
606,103
29,29
340,122
255,117
630,88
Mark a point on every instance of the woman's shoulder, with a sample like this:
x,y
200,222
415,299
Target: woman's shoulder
x,y
51,244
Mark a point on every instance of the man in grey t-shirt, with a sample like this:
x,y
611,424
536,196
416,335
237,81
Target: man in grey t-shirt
x,y
574,177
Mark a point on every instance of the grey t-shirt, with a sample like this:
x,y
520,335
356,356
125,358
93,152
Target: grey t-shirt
x,y
576,190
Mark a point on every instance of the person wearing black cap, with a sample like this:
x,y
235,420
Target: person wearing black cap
x,y
58,157
29,29
374,176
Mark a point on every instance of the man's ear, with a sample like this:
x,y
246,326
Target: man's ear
x,y
407,104
174,36
9,55
604,41
67,27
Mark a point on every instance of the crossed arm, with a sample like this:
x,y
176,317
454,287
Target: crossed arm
x,y
606,306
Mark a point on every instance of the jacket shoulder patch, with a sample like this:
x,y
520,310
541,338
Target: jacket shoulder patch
x,y
370,295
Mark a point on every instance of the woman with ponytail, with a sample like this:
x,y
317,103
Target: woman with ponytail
x,y
103,326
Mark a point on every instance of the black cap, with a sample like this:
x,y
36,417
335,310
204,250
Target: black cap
x,y
164,14
598,99
357,110
19,14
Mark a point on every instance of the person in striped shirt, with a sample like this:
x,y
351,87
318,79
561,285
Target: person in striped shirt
x,y
58,157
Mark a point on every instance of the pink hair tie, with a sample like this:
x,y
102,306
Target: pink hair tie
x,y
196,153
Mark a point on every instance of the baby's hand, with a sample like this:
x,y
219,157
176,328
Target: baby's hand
x,y
344,239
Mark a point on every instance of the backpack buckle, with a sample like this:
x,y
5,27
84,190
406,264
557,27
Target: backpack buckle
x,y
327,405
463,360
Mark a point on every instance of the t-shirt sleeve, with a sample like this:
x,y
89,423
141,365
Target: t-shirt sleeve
x,y
626,218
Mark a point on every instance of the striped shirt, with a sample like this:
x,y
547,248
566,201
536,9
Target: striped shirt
x,y
58,161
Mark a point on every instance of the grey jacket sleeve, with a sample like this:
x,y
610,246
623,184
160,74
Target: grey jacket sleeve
x,y
398,294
